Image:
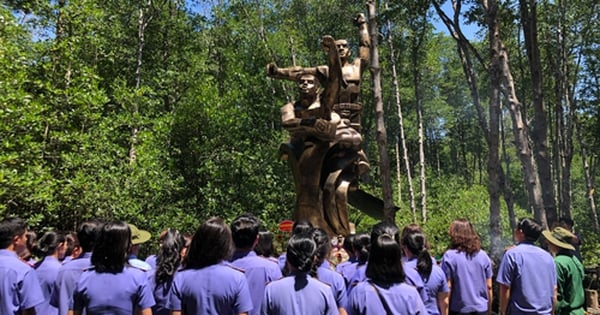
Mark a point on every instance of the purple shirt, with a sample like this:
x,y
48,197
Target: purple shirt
x,y
335,281
436,283
151,261
216,289
347,269
469,275
160,292
19,288
298,294
66,279
258,271
402,299
109,293
530,273
47,271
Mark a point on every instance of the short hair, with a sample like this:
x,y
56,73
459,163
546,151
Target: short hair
x,y
9,228
362,247
531,228
211,244
463,237
348,244
300,252
168,258
265,246
110,253
49,242
244,230
301,226
88,233
385,258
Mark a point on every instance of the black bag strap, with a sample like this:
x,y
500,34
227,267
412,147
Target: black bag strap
x,y
388,311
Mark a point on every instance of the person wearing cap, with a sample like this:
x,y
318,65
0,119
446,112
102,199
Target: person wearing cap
x,y
570,272
138,237
527,274
20,291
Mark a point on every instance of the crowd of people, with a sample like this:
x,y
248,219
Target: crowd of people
x,y
233,268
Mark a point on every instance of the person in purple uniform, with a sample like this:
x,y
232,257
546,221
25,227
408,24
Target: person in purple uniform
x,y
414,245
347,268
300,226
299,293
527,274
161,276
265,246
112,286
68,274
52,247
258,270
323,272
386,290
362,247
469,271
20,289
208,284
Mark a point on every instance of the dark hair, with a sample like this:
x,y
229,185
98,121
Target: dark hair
x,y
265,246
49,242
110,252
71,242
244,230
323,243
531,229
463,237
362,247
385,258
9,228
300,252
416,243
301,226
88,233
566,222
348,244
168,258
210,245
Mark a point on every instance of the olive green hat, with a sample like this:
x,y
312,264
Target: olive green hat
x,y
559,237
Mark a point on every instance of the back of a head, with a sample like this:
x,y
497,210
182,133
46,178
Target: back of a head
x,y
362,247
532,229
265,246
49,242
169,255
463,237
385,260
244,230
301,226
301,251
88,233
211,244
110,252
323,243
416,243
349,244
9,228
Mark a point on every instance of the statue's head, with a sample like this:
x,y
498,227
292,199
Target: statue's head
x,y
307,84
343,48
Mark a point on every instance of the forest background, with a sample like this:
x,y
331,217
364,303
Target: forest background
x,y
159,112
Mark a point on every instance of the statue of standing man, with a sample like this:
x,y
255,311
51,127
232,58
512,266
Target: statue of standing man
x,y
325,152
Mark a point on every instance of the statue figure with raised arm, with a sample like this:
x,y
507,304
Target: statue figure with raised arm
x,y
331,165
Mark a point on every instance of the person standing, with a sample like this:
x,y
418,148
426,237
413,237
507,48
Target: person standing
x,y
168,262
469,271
112,286
20,288
258,270
299,293
52,247
569,270
207,284
527,274
322,270
138,237
385,291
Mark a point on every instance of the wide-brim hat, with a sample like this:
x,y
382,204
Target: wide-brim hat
x,y
139,236
560,237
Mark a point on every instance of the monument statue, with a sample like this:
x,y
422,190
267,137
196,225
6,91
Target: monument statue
x,y
324,151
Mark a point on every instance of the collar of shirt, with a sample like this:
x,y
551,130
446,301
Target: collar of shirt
x,y
242,254
9,253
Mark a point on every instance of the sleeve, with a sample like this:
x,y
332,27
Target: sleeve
x,y
561,276
145,296
332,308
79,300
447,266
174,301
264,308
488,267
30,291
243,301
506,270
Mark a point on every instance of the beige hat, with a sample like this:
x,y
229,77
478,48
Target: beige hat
x,y
139,236
559,237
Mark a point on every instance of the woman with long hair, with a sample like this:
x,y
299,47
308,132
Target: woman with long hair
x,y
168,261
386,290
112,286
414,245
299,293
322,269
51,247
468,270
208,284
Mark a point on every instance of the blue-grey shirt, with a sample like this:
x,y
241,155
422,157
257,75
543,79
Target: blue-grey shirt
x,y
19,288
434,284
66,279
401,298
469,275
47,271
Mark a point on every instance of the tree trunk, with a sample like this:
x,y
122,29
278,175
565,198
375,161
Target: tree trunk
x,y
539,132
389,211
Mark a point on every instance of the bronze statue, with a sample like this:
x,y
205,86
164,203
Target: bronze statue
x,y
324,151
